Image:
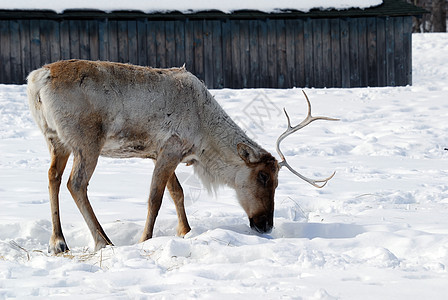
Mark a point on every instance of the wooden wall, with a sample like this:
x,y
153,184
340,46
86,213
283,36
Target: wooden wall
x,y
233,53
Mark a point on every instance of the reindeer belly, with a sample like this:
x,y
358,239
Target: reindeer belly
x,y
127,145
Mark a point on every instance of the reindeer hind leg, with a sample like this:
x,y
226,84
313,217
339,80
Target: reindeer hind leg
x,y
59,156
84,163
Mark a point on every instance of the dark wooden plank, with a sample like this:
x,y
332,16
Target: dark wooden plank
x,y
308,47
103,39
208,53
326,53
407,49
263,52
226,34
400,73
189,45
198,39
299,51
254,78
94,47
335,37
74,39
160,44
345,52
113,40
123,45
218,76
5,52
272,53
141,42
55,40
244,53
45,52
236,58
64,31
317,53
381,50
290,53
354,52
170,44
84,45
151,43
132,42
17,76
25,46
372,68
179,41
390,52
282,73
362,52
35,44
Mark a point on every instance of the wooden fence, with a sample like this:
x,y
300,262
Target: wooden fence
x,y
224,52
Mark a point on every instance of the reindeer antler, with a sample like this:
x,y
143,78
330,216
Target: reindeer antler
x,y
290,130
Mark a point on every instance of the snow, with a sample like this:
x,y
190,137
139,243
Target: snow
x,y
378,230
189,6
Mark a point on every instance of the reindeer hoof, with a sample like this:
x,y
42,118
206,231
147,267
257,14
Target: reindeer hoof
x,y
102,244
57,247
183,230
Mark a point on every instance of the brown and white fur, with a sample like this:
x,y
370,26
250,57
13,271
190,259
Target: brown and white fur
x,y
88,109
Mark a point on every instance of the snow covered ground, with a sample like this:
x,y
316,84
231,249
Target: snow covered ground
x,y
189,6
378,230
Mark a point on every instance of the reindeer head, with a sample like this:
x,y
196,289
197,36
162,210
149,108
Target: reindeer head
x,y
256,184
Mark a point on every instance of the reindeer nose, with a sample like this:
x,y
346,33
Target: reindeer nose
x,y
262,223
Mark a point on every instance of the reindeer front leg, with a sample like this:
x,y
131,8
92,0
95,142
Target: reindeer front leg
x,y
168,159
177,194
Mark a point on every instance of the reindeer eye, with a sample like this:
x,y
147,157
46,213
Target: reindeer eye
x,y
263,178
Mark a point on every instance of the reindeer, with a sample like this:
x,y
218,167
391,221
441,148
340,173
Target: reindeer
x,y
88,109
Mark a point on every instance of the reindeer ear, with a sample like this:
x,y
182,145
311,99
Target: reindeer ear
x,y
247,153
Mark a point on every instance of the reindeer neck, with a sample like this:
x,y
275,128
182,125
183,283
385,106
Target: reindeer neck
x,y
219,159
